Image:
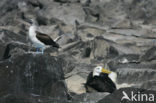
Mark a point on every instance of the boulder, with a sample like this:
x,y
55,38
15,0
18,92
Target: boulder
x,y
129,95
7,36
2,49
88,32
133,72
89,97
13,49
32,74
123,24
102,48
67,13
142,10
75,84
150,54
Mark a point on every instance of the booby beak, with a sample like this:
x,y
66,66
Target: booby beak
x,y
28,21
106,71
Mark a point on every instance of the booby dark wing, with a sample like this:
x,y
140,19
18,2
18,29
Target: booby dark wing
x,y
47,40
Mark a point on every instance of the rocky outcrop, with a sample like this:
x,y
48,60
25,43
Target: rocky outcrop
x,y
149,54
32,75
129,95
102,48
89,97
116,34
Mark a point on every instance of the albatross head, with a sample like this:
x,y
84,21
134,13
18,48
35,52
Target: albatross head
x,y
99,69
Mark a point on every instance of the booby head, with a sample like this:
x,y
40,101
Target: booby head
x,y
99,69
32,22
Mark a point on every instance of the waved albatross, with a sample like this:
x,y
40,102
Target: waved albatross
x,y
40,40
101,80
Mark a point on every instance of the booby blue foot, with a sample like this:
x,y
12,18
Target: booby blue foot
x,y
37,50
42,50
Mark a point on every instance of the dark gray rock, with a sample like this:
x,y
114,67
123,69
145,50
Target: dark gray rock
x,y
66,13
150,85
92,14
131,70
102,49
7,36
33,74
134,75
2,49
123,60
142,10
149,54
14,49
116,97
89,97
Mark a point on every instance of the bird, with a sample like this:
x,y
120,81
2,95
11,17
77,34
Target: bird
x,y
101,80
40,40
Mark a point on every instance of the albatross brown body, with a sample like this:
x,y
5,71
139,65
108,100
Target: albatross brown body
x,y
101,83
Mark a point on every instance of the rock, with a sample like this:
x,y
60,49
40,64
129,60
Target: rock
x,y
142,10
65,40
12,98
150,54
68,34
75,84
60,92
108,12
67,1
92,14
150,85
87,52
67,13
14,49
7,36
119,34
2,49
135,75
132,71
123,24
117,96
84,31
124,59
89,97
33,74
85,2
102,48
69,63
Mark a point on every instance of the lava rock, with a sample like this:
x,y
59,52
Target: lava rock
x,y
34,74
2,49
117,96
14,49
7,36
89,97
149,54
102,48
123,59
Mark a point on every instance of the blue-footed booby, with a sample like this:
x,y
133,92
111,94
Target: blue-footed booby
x,y
40,40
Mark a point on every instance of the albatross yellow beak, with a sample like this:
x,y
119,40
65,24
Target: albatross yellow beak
x,y
106,71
